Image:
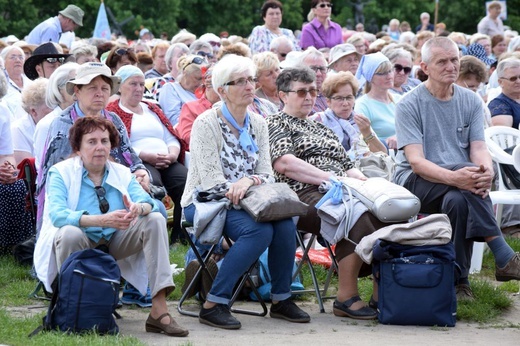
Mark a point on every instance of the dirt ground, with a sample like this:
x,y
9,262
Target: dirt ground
x,y
324,329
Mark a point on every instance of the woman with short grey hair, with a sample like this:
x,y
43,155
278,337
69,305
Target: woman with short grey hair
x,y
85,53
56,99
505,108
204,49
403,64
230,153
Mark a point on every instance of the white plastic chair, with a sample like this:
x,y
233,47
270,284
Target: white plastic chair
x,y
499,138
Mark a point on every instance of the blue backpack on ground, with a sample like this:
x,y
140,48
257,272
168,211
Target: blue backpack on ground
x,y
86,295
416,284
264,279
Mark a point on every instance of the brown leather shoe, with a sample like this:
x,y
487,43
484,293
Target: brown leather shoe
x,y
172,329
511,270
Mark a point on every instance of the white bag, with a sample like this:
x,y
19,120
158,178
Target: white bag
x,y
389,202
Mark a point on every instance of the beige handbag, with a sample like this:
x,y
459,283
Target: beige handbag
x,y
271,202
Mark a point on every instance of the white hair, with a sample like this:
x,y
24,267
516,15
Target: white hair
x,y
228,66
57,82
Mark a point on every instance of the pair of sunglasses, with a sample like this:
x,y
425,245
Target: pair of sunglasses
x,y
123,51
303,92
103,203
398,68
61,60
196,60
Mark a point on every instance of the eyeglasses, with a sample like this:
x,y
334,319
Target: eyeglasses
x,y
242,81
55,60
303,92
398,68
322,69
196,60
214,44
204,54
123,51
323,5
511,79
348,98
103,203
17,57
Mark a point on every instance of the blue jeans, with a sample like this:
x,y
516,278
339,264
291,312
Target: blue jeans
x,y
250,241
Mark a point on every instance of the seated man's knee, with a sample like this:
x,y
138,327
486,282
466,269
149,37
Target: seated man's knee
x,y
454,203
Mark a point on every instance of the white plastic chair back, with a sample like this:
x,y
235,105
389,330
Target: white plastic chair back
x,y
499,138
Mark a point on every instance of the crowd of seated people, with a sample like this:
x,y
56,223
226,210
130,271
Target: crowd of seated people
x,y
276,106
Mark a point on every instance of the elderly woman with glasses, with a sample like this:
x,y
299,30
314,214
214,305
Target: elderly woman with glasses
x,y
321,32
229,154
403,63
340,90
14,59
174,95
153,138
93,201
376,72
120,56
306,153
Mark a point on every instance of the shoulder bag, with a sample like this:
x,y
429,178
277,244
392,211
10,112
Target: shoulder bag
x,y
271,202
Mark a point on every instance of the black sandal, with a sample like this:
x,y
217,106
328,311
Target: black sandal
x,y
373,303
343,310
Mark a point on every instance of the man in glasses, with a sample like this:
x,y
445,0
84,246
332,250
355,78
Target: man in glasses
x,y
443,160
51,29
45,60
281,46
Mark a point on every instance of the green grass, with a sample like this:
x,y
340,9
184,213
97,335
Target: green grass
x,y
492,300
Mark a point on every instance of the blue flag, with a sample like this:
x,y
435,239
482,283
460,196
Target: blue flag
x,y
102,29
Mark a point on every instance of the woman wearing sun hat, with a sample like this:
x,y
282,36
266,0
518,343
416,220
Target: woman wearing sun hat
x,y
91,89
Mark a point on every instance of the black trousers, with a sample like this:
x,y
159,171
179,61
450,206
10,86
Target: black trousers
x,y
173,178
471,216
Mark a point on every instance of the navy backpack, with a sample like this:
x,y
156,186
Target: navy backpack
x,y
86,295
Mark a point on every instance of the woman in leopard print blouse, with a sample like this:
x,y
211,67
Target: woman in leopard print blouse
x,y
305,153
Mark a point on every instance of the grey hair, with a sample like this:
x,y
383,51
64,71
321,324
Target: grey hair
x,y
229,65
395,53
514,44
83,50
309,52
294,74
8,50
57,82
198,45
505,64
441,42
477,37
171,50
33,95
265,61
275,43
3,82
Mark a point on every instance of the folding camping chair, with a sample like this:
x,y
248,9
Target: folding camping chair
x,y
203,260
321,294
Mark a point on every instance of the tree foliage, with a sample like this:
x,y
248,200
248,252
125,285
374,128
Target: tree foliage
x,y
239,17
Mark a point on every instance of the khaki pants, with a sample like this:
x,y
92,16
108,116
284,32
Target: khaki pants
x,y
148,234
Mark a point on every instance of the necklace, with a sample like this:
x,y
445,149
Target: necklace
x,y
96,180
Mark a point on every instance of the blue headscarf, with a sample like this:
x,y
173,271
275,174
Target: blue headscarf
x,y
368,66
128,71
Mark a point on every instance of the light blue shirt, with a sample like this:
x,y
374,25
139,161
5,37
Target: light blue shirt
x,y
48,30
88,203
381,115
171,99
